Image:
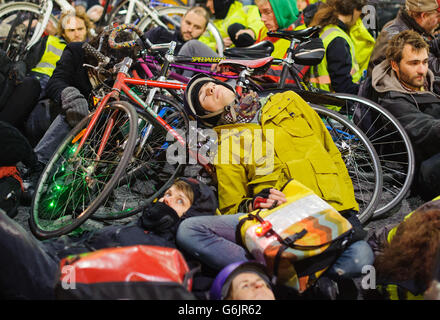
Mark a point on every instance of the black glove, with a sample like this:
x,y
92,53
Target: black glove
x,y
159,217
260,197
74,105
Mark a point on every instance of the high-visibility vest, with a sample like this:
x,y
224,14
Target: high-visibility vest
x,y
52,53
397,292
319,76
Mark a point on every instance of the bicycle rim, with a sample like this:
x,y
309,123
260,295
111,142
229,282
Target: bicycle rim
x,y
392,145
12,40
72,188
360,158
149,172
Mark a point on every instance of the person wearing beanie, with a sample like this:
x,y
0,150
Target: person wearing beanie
x,y
238,24
243,280
294,144
37,262
422,16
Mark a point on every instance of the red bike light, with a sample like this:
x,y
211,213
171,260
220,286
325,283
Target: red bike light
x,y
263,228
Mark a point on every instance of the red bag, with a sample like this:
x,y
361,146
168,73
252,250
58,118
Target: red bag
x,y
135,272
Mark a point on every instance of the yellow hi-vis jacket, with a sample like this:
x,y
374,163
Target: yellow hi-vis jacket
x,y
319,76
249,16
52,53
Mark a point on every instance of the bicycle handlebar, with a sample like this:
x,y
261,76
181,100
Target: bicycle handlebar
x,y
127,44
102,59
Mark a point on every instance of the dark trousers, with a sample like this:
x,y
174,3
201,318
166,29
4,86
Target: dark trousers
x,y
20,103
30,267
428,178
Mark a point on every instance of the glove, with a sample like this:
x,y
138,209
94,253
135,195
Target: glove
x,y
260,197
74,105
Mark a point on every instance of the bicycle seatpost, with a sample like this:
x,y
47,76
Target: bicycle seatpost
x,y
287,63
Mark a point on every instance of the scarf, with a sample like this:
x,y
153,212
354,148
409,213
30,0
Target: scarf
x,y
241,111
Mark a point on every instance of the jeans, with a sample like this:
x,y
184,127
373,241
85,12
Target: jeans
x,y
212,241
53,137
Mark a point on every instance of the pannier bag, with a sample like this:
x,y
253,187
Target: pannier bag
x,y
132,273
297,240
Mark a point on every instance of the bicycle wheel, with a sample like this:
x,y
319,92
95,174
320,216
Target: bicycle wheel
x,y
14,32
386,134
176,13
360,158
392,144
71,188
149,172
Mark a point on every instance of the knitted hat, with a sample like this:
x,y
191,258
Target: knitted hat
x,y
192,102
422,5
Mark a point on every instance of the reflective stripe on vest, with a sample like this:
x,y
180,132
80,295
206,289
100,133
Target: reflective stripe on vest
x,y
52,53
319,76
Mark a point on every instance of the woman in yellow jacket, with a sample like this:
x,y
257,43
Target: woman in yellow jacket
x,y
339,70
238,24
281,139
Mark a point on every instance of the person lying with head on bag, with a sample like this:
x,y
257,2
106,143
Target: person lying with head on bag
x,y
32,265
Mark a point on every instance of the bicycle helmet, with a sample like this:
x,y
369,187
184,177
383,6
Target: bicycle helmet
x,y
192,103
222,282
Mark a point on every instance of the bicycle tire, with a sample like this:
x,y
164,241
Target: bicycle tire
x,y
10,8
397,175
360,158
148,174
71,189
147,23
398,161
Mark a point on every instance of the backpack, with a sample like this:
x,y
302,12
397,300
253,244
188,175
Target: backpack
x,y
298,240
134,272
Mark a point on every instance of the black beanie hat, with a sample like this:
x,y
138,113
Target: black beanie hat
x,y
192,102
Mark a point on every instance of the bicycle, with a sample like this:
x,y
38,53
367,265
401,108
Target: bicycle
x,y
367,181
384,131
359,155
145,16
114,162
21,37
28,22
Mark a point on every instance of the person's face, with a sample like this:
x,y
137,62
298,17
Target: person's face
x,y
75,30
301,4
210,5
214,97
177,200
192,26
429,21
250,286
413,67
268,16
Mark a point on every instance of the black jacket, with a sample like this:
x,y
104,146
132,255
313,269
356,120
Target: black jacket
x,y
161,35
69,72
417,111
339,64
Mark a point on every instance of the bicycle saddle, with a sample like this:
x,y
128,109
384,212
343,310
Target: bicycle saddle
x,y
258,65
258,50
312,32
